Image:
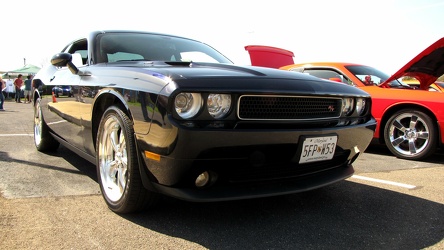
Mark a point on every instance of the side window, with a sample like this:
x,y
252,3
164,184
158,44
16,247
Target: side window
x,y
80,47
84,54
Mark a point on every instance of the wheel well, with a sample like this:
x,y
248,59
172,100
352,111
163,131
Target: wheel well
x,y
102,103
396,108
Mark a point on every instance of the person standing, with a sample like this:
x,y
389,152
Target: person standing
x,y
2,97
28,82
18,85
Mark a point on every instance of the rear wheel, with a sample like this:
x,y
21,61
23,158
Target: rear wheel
x,y
43,140
411,134
117,165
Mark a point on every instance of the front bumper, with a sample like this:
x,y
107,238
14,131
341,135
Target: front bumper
x,y
258,190
249,163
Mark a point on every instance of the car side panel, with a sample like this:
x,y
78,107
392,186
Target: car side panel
x,y
104,86
386,98
60,113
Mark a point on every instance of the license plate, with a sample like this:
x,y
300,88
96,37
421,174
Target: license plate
x,y
318,148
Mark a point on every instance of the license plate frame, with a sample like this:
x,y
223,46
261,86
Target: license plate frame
x,y
317,148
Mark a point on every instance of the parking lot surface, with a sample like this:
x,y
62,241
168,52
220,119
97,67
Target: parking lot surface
x,y
54,202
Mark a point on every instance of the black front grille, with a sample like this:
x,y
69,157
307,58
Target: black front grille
x,y
288,107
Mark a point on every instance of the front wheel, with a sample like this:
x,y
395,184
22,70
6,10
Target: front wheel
x,y
411,134
43,140
117,166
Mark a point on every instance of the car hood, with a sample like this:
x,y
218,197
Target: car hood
x,y
212,76
426,67
239,78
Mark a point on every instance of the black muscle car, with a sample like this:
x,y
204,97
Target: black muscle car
x,y
165,115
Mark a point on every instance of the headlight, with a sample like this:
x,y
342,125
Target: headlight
x,y
187,105
347,105
360,105
218,105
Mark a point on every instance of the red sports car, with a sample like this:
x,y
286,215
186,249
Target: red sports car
x,y
410,120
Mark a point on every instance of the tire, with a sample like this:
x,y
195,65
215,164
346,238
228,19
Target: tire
x,y
117,165
43,140
411,134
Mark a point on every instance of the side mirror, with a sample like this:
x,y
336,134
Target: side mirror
x,y
64,60
61,59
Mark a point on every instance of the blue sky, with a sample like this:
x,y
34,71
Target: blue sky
x,y
382,33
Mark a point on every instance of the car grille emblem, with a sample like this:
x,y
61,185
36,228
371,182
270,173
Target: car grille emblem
x,y
331,108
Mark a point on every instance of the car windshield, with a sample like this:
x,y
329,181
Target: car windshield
x,y
371,76
115,47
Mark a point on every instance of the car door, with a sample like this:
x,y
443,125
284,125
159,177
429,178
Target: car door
x,y
63,113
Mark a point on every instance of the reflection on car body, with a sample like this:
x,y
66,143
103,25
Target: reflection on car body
x,y
162,114
88,92
62,90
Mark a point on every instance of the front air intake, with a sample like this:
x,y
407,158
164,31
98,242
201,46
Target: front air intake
x,y
275,107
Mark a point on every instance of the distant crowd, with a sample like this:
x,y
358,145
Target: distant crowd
x,y
18,89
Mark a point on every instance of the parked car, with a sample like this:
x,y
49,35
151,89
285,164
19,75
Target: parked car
x,y
410,120
62,90
173,116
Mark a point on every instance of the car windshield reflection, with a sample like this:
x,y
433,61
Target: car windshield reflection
x,y
118,47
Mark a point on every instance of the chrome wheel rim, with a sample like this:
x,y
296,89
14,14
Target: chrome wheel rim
x,y
38,123
113,159
409,134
